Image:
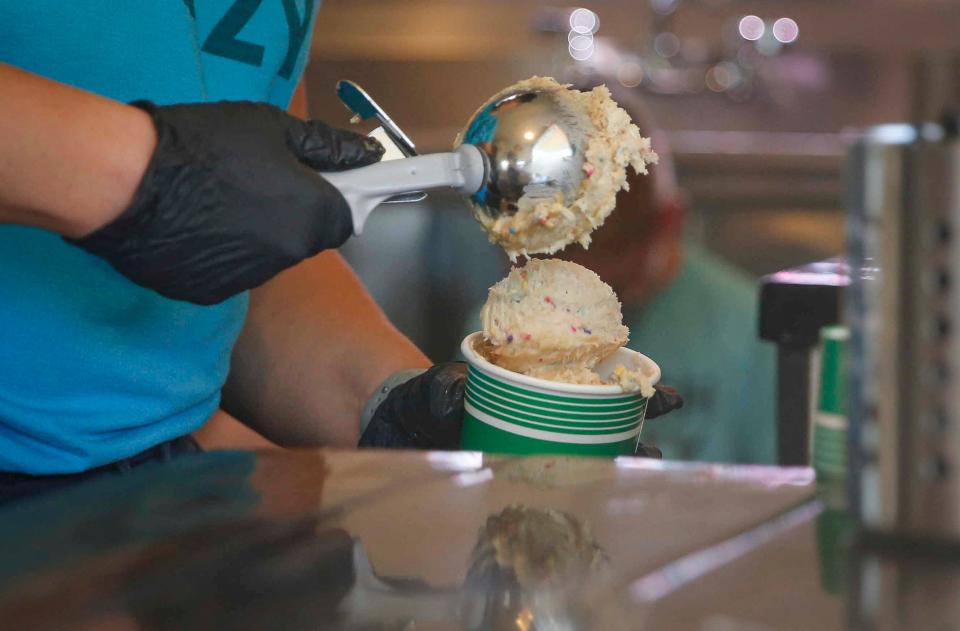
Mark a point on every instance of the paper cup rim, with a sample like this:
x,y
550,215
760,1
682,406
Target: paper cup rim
x,y
475,359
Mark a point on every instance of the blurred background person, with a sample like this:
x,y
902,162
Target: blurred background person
x,y
694,313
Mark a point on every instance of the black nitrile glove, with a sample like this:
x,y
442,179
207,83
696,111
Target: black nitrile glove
x,y
230,198
425,412
665,399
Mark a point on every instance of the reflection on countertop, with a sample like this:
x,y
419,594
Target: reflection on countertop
x,y
376,540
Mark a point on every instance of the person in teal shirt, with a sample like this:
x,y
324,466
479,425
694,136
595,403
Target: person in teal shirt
x,y
152,189
689,311
702,329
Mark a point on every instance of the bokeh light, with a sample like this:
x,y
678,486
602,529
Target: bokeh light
x,y
723,76
584,21
581,42
581,46
751,28
666,44
786,30
581,55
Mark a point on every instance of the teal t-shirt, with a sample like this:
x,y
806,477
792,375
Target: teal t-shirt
x,y
92,367
702,331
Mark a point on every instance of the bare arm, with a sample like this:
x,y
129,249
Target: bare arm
x,y
314,348
70,160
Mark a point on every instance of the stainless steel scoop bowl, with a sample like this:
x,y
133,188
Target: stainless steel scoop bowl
x,y
524,143
534,145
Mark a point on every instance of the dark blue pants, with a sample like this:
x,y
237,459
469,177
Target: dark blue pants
x,y
15,486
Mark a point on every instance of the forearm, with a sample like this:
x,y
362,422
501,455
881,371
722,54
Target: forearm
x,y
70,161
313,350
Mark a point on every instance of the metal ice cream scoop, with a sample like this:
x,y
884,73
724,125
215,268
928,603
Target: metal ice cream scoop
x,y
518,143
534,144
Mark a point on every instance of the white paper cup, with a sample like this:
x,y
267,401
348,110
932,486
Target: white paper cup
x,y
506,412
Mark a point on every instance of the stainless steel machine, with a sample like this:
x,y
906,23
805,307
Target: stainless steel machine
x,y
905,407
905,353
903,309
897,291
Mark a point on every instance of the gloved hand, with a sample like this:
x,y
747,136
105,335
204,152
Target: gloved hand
x,y
664,400
425,412
229,199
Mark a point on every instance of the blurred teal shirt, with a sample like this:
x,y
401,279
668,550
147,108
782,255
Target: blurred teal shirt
x,y
92,367
702,331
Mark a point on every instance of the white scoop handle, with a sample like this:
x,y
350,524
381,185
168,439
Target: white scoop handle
x,y
366,187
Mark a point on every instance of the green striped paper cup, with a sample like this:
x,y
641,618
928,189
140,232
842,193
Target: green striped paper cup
x,y
506,412
829,456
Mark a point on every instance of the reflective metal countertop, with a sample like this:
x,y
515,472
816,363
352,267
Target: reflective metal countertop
x,y
377,540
